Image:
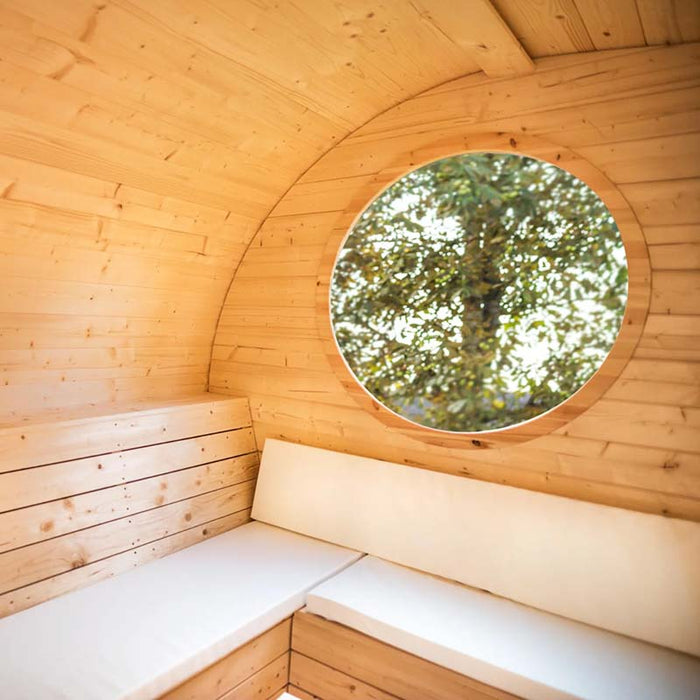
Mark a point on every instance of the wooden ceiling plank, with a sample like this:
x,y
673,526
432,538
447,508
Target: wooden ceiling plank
x,y
483,33
669,21
546,27
612,25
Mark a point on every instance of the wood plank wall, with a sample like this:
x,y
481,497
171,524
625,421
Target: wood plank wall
x,y
634,115
84,499
142,142
141,145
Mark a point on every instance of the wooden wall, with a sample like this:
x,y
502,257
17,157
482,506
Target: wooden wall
x,y
141,145
88,498
633,114
142,142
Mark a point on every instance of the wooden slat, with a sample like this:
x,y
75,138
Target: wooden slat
x,y
670,202
479,28
675,256
559,84
38,443
236,667
668,235
376,664
268,682
36,593
546,28
669,21
611,25
66,479
648,159
25,526
676,292
21,567
44,400
325,682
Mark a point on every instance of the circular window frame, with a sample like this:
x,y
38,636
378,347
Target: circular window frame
x,y
636,309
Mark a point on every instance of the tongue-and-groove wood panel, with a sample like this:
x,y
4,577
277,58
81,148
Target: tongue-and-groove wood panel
x,y
142,142
87,498
632,114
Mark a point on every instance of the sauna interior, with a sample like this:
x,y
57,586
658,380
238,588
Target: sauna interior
x,y
198,497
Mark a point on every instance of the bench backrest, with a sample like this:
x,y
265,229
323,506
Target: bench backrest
x,y
632,573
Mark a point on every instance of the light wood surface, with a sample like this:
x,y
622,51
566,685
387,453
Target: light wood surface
x,y
635,121
140,485
142,143
328,659
329,684
256,669
479,28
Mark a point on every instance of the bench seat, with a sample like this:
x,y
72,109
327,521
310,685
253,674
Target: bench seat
x,y
144,632
507,645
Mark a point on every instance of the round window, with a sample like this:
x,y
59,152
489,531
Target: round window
x,y
479,291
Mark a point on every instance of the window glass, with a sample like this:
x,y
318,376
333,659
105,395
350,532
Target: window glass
x,y
479,291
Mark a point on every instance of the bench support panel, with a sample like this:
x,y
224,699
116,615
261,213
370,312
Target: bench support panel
x,y
333,662
257,669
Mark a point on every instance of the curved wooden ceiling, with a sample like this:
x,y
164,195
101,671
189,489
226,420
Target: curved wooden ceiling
x,y
143,143
631,114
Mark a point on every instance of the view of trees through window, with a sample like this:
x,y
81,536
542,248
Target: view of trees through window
x,y
479,291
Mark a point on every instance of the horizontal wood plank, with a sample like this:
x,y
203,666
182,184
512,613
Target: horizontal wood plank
x,y
38,592
66,479
38,443
25,526
36,562
268,682
325,682
377,664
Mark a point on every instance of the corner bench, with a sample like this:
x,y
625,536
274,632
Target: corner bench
x,y
581,598
509,592
142,633
525,652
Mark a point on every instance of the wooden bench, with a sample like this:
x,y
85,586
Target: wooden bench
x,y
540,596
101,498
140,634
571,585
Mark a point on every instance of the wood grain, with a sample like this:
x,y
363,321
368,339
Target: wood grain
x,y
356,656
237,667
144,484
616,112
144,142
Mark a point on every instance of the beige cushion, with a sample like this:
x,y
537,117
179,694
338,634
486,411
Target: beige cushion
x,y
527,652
144,632
632,573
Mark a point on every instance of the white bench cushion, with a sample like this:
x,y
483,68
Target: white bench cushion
x,y
527,652
145,631
633,573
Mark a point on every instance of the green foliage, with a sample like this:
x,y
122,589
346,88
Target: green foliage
x,y
479,291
